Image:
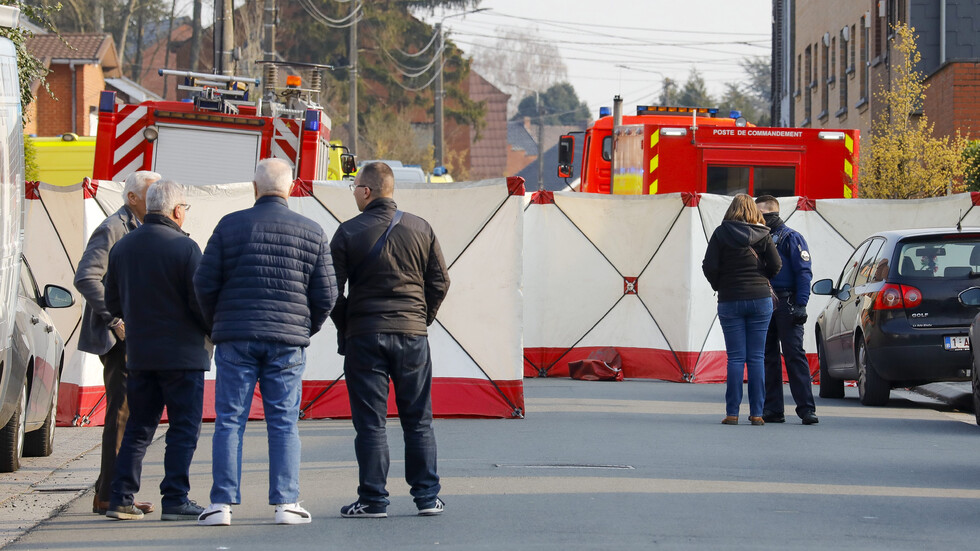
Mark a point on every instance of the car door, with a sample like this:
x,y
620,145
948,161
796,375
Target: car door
x,y
41,342
835,309
853,308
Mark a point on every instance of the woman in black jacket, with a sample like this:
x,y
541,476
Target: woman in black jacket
x,y
740,260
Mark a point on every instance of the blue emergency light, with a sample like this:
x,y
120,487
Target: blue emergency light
x,y
107,101
734,114
605,111
312,120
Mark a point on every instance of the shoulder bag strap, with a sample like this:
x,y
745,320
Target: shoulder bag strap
x,y
378,245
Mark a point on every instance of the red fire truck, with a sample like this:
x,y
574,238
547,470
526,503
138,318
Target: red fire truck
x,y
672,149
218,134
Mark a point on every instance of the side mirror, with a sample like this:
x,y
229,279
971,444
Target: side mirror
x,y
566,156
347,164
823,287
57,297
844,293
970,297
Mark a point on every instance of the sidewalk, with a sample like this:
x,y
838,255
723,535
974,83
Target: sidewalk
x,y
45,485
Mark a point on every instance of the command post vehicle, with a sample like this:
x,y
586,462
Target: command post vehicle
x,y
687,149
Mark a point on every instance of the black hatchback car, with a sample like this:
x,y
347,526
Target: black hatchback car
x,y
894,318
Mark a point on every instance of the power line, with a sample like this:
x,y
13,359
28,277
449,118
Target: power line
x,y
350,19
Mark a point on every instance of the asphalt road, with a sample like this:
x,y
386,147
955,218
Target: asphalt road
x,y
628,465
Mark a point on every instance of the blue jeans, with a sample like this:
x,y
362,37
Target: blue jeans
x,y
368,363
182,392
278,368
745,324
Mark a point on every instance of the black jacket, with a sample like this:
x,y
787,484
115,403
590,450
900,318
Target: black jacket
x,y
266,275
731,268
401,289
149,284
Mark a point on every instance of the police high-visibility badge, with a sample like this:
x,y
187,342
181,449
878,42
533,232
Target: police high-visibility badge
x,y
805,255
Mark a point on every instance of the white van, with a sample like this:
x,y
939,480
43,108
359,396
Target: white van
x,y
404,174
31,350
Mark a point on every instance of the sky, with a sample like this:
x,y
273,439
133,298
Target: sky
x,y
627,47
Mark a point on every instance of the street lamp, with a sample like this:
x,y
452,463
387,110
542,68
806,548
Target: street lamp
x,y
437,134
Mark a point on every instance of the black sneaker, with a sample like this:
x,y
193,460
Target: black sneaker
x,y
432,509
363,510
773,418
188,510
810,418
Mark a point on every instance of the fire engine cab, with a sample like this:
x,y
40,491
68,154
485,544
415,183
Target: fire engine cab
x,y
218,134
680,149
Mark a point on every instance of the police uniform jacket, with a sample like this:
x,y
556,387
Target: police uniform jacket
x,y
795,275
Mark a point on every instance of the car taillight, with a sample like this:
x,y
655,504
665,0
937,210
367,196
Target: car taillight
x,y
895,297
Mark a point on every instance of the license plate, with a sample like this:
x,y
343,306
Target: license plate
x,y
957,343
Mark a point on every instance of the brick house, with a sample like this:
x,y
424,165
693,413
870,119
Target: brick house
x,y
830,57
78,74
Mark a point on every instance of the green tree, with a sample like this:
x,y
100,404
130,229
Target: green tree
x,y
695,92
971,173
669,94
905,160
559,105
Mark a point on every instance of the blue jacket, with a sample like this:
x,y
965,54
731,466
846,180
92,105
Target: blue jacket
x,y
266,275
149,285
795,275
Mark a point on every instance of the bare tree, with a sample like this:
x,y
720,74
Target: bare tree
x,y
520,62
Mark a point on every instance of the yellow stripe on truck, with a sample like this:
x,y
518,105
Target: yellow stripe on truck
x,y
849,143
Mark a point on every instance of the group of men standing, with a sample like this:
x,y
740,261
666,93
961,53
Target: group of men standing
x,y
157,308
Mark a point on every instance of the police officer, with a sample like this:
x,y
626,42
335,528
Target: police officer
x,y
792,286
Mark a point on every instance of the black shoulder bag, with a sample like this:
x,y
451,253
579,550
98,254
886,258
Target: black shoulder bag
x,y
340,320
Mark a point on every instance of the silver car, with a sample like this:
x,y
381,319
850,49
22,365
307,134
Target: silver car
x,y
31,374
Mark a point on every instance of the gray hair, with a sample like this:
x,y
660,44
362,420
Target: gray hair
x,y
163,197
137,183
273,177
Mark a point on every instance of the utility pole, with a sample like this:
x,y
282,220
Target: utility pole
x,y
537,103
352,124
437,132
227,38
219,18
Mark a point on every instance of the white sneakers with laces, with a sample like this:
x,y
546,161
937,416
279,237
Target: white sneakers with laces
x,y
292,513
216,514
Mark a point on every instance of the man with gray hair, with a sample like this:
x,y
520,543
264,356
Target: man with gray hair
x,y
266,285
150,285
103,334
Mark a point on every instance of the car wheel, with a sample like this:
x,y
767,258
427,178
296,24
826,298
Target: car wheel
x,y
976,392
829,386
12,436
40,443
872,389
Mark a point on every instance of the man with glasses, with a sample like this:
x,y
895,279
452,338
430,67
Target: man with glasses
x,y
150,284
104,335
398,279
266,285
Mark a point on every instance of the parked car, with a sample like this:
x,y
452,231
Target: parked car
x,y
33,374
971,297
893,319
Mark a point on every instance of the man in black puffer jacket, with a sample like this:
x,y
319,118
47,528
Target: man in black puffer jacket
x,y
266,285
398,279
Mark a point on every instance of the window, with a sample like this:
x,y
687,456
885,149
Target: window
x,y
879,28
808,95
778,181
728,180
607,148
852,40
799,73
842,87
863,67
850,269
833,58
939,258
867,271
824,76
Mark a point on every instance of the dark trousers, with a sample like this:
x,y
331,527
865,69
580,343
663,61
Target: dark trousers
x,y
116,413
369,362
788,336
182,392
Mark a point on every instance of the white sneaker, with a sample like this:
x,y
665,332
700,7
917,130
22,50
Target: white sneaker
x,y
292,513
217,514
